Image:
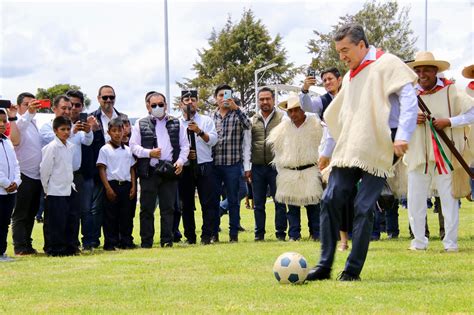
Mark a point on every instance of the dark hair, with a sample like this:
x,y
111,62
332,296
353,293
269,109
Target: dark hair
x,y
3,111
124,118
61,121
222,87
354,31
103,87
76,93
115,122
266,89
332,70
20,97
153,93
58,99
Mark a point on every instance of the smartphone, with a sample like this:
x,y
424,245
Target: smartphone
x,y
45,103
311,73
227,95
5,104
83,117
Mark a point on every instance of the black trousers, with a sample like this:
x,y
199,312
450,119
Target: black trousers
x,y
118,217
7,203
59,225
23,217
165,189
204,182
335,203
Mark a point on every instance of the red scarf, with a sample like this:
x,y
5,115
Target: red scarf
x,y
437,88
353,73
471,85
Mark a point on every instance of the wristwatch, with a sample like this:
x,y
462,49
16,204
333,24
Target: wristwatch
x,y
304,91
200,133
12,118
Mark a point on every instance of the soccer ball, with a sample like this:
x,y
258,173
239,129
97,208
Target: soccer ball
x,y
290,267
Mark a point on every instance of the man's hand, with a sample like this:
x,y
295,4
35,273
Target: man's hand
x,y
12,111
400,147
323,162
77,127
420,119
110,193
441,123
133,192
193,127
33,106
155,153
92,122
192,155
179,168
309,81
248,176
86,127
232,104
11,188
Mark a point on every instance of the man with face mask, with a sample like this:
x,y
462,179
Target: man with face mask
x,y
201,177
159,142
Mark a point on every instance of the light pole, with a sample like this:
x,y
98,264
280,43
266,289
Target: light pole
x,y
256,80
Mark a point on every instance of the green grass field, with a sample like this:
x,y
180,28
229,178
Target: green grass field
x,y
238,278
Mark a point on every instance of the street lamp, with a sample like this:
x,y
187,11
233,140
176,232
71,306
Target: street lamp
x,y
256,80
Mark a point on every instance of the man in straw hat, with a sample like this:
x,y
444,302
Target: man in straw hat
x,y
295,143
429,160
376,106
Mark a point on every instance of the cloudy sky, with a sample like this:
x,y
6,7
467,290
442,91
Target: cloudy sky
x,y
121,43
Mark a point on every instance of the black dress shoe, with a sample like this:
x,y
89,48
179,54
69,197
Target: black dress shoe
x,y
205,241
259,238
281,238
168,244
146,245
215,239
241,228
233,239
344,276
319,273
109,248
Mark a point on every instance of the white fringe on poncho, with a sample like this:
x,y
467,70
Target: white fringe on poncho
x,y
295,147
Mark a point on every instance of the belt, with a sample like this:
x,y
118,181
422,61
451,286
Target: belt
x,y
302,167
119,182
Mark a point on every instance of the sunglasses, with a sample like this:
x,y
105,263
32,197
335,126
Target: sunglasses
x,y
108,97
157,104
76,105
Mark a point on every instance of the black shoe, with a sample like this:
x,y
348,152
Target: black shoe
x,y
146,245
259,238
39,220
233,239
375,238
294,239
205,241
168,244
315,238
241,228
319,273
109,248
128,246
344,276
392,236
281,238
190,242
215,239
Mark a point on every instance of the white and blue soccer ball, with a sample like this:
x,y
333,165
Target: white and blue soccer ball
x,y
290,267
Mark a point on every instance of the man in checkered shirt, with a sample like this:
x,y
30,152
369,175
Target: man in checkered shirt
x,y
230,124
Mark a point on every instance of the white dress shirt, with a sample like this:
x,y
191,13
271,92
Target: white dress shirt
x,y
78,138
56,168
28,152
117,161
163,142
203,149
9,167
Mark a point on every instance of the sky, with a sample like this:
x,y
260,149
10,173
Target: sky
x,y
121,43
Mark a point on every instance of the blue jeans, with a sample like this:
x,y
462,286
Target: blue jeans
x,y
230,176
294,220
262,177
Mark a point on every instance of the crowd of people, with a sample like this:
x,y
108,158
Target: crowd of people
x,y
331,154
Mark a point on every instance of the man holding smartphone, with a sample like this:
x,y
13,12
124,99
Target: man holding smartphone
x,y
230,124
81,134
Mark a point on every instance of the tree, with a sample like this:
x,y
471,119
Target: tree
x,y
386,27
235,53
58,89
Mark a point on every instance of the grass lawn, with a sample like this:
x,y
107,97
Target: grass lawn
x,y
238,278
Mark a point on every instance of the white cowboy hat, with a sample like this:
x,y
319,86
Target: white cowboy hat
x,y
426,58
468,72
293,101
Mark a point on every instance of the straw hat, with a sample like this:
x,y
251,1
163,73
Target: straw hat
x,y
293,101
468,72
426,58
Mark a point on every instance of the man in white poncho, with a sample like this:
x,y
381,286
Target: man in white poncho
x,y
295,144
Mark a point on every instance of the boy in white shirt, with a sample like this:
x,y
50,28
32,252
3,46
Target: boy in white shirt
x,y
117,174
57,180
9,182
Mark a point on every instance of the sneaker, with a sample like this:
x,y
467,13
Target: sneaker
x,y
451,250
319,273
294,239
5,258
345,276
414,248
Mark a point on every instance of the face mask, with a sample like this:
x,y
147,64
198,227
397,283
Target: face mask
x,y
158,112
